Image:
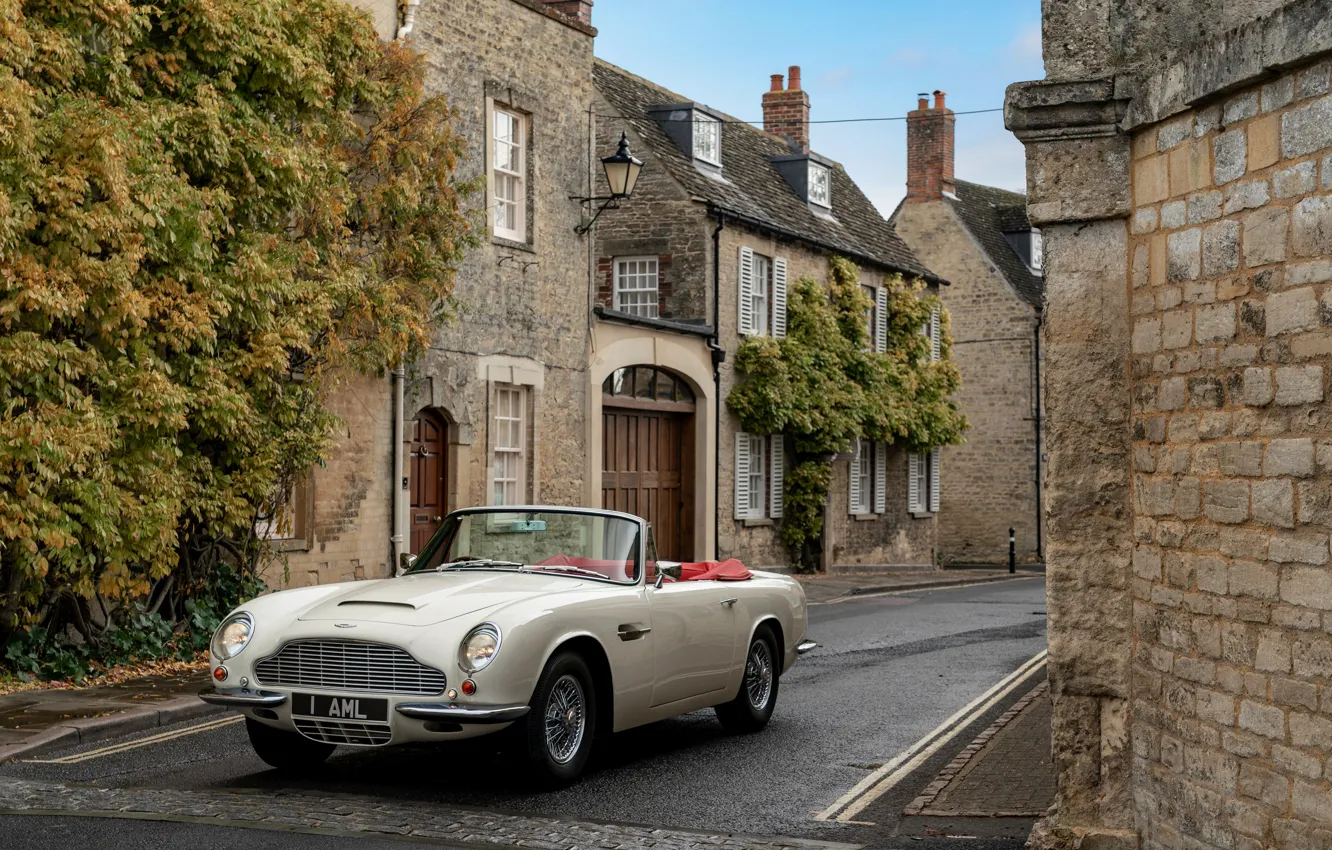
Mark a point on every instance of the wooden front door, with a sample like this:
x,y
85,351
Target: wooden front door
x,y
647,456
428,472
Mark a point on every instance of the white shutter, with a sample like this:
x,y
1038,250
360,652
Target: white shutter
x,y
776,474
745,312
779,297
855,478
913,475
935,334
741,475
881,319
880,478
934,480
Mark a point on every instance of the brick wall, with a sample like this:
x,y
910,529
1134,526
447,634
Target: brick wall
x,y
1230,274
930,149
989,482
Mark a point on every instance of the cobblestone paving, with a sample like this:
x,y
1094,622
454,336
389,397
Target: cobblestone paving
x,y
358,815
1006,772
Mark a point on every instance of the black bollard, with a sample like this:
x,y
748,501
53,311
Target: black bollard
x,y
1012,551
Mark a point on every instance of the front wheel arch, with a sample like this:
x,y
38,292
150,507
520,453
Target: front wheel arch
x,y
592,652
775,626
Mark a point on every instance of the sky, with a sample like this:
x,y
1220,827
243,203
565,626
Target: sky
x,y
858,59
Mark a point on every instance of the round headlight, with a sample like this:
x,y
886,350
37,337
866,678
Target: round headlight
x,y
232,636
479,648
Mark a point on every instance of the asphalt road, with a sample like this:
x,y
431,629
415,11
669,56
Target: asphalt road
x,y
889,669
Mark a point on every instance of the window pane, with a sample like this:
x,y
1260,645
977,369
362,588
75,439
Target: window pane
x,y
706,133
643,382
819,184
636,286
665,387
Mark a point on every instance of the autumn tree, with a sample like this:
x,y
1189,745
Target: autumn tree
x,y
209,209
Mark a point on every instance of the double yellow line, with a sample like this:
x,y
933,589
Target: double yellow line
x,y
150,740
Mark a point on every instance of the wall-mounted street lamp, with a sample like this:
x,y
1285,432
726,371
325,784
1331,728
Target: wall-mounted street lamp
x,y
622,169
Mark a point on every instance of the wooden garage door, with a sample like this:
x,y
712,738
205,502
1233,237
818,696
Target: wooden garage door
x,y
647,455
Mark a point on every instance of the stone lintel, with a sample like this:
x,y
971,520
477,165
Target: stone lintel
x,y
1295,34
1045,110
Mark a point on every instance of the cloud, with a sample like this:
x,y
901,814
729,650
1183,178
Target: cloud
x,y
907,57
1025,46
834,78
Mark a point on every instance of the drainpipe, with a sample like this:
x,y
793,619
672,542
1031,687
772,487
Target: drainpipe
x,y
399,494
408,18
1036,348
718,357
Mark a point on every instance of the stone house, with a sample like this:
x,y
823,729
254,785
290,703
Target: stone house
x,y
979,239
725,214
494,413
1180,169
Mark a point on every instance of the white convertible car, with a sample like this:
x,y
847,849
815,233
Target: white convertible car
x,y
556,623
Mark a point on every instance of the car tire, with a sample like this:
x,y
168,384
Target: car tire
x,y
752,707
562,725
286,751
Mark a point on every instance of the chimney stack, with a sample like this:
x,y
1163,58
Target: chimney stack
x,y
930,150
786,110
579,10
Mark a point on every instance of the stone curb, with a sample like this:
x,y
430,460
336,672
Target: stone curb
x,y
87,729
921,805
925,585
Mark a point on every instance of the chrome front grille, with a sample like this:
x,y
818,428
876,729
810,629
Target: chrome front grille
x,y
344,732
345,665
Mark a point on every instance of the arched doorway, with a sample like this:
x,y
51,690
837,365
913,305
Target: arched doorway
x,y
428,474
647,457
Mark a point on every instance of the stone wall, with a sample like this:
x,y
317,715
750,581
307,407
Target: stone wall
x,y
343,519
895,538
989,482
1231,252
522,309
1186,215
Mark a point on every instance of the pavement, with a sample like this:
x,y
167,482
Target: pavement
x,y
845,582
894,668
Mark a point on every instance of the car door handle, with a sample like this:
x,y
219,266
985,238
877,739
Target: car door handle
x,y
729,602
633,631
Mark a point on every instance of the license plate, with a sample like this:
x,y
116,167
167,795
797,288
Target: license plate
x,y
339,708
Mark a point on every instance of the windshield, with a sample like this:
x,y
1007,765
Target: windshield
x,y
576,544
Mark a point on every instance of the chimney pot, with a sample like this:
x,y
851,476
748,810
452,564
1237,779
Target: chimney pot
x,y
786,110
930,150
923,101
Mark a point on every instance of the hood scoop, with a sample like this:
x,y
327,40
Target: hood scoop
x,y
378,602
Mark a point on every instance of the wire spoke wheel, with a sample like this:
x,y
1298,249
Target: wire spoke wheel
x,y
758,675
566,719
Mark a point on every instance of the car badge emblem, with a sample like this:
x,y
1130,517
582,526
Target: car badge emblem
x,y
345,625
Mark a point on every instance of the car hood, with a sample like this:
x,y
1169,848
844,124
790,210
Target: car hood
x,y
428,598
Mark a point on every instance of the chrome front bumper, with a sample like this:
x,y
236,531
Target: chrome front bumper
x,y
242,699
463,713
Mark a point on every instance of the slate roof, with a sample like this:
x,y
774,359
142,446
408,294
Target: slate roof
x,y
989,213
754,189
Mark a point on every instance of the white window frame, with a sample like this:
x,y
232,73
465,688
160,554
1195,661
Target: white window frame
x,y
515,178
821,198
762,309
651,307
923,482
1037,250
510,418
709,153
862,477
760,472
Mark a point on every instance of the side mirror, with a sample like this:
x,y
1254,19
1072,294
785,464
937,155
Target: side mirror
x,y
668,568
405,562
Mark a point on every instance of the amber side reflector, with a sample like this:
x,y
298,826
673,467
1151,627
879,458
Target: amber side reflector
x,y
220,673
468,687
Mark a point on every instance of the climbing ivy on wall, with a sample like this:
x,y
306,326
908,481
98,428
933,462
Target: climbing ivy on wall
x,y
822,386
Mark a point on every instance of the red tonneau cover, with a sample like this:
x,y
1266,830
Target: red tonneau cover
x,y
729,570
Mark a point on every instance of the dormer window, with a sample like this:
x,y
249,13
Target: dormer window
x,y
697,130
810,177
707,138
1027,245
820,185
